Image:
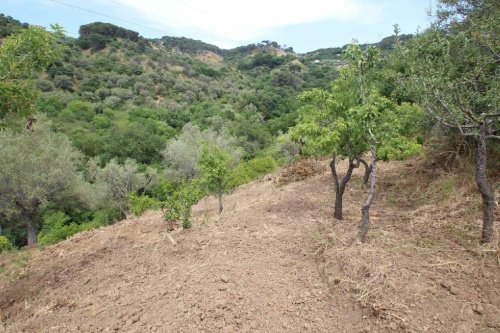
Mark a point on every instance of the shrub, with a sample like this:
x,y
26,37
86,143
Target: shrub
x,y
56,227
63,82
106,216
138,204
112,101
44,85
247,171
181,201
5,244
49,104
78,110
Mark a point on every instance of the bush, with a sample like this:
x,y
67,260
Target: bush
x,y
105,216
56,227
247,171
5,244
63,82
78,110
44,85
138,204
180,203
49,104
112,101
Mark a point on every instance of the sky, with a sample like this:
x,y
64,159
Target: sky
x,y
304,25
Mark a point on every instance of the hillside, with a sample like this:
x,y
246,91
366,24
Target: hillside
x,y
118,96
274,261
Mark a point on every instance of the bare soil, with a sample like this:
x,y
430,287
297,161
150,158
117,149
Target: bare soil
x,y
274,261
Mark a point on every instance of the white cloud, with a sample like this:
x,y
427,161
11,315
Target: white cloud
x,y
229,22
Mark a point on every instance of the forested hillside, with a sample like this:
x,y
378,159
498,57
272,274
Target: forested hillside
x,y
111,123
120,98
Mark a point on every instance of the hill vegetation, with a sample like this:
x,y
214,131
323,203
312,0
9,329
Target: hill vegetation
x,y
398,235
163,122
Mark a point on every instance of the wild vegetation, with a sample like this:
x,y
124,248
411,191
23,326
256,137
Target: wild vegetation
x,y
350,189
112,123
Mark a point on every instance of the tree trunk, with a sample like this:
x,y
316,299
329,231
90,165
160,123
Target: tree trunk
x,y
368,171
125,212
484,187
340,186
365,208
219,194
31,233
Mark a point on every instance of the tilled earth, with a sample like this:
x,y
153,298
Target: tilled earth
x,y
274,261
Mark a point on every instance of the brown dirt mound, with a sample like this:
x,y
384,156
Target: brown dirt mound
x,y
300,170
274,261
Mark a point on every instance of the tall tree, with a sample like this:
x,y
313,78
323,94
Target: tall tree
x,y
453,71
37,166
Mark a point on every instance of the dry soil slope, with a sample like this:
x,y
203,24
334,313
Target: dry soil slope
x,y
272,262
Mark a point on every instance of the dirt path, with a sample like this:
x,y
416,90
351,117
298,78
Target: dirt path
x,y
268,264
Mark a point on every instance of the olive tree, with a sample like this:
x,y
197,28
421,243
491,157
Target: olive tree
x,y
182,153
37,166
117,181
452,70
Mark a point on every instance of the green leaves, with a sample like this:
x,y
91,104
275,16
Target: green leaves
x,y
452,68
353,116
22,56
181,201
214,167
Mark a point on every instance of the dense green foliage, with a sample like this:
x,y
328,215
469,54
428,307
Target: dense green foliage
x,y
5,244
9,25
252,169
452,69
138,204
119,124
22,56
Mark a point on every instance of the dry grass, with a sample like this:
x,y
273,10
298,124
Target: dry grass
x,y
299,171
422,257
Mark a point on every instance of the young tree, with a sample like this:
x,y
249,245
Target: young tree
x,y
354,119
214,165
453,72
383,125
325,124
179,203
380,121
324,128
36,166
